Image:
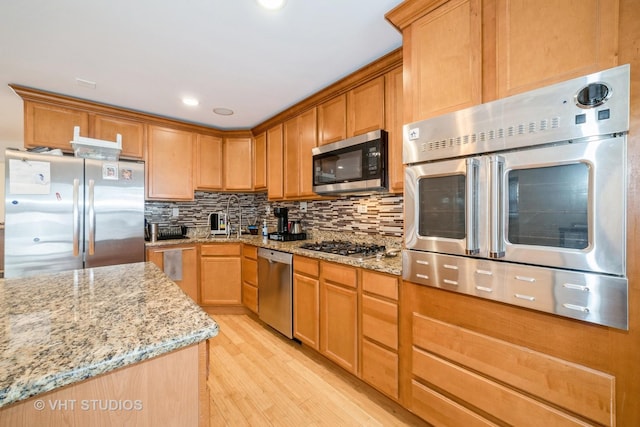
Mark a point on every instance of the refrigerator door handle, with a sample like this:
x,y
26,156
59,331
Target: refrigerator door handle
x,y
92,218
76,217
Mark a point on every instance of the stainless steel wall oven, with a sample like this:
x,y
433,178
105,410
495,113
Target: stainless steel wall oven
x,y
523,200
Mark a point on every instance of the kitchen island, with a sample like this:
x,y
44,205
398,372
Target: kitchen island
x,y
102,346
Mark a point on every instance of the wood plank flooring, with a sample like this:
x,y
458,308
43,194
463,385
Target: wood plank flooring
x,y
259,378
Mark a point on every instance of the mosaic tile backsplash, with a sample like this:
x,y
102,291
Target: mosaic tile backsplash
x,y
362,215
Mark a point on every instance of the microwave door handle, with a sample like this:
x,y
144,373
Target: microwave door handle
x,y
471,203
497,222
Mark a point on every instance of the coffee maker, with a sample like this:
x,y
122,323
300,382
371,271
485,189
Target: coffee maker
x,y
283,219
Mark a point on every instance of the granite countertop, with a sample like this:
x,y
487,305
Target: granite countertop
x,y
67,327
391,265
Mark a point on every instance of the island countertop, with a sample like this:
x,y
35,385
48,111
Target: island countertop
x,y
66,327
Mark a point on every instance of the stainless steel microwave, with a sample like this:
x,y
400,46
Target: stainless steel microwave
x,y
357,164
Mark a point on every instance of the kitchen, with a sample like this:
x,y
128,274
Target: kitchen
x,y
573,341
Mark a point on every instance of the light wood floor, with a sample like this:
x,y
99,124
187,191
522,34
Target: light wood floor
x,y
259,378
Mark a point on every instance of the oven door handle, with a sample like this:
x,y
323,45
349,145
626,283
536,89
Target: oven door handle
x,y
471,202
496,206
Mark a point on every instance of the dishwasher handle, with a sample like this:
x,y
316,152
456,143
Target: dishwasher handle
x,y
275,256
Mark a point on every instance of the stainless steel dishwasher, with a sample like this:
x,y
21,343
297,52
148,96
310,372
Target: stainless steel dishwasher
x,y
275,290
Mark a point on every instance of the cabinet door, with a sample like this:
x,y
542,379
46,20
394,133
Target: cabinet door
x,y
52,126
220,281
442,52
332,120
189,282
544,42
306,310
291,151
260,162
275,188
393,124
238,153
169,164
308,139
365,107
208,162
133,134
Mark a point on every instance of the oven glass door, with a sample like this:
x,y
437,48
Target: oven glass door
x,y
564,206
442,206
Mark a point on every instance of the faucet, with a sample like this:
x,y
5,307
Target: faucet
x,y
231,197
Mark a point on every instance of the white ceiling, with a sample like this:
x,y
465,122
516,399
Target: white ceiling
x,y
147,54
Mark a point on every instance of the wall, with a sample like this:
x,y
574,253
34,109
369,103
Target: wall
x,y
383,216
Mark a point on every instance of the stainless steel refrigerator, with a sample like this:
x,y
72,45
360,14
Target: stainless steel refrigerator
x,y
64,213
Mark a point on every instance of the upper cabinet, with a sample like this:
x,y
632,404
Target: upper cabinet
x,y
52,126
545,42
133,133
332,120
275,188
393,124
208,162
169,164
299,138
238,153
260,162
365,107
460,53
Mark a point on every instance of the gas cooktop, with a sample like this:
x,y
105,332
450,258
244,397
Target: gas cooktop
x,y
345,248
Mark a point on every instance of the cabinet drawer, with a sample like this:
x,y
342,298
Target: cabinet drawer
x,y
486,395
220,249
380,321
380,284
250,251
380,368
308,266
250,271
441,411
340,274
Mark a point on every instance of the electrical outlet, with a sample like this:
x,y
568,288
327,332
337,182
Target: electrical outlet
x,y
362,209
175,212
303,206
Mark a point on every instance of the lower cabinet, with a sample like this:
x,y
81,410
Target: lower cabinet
x,y
379,342
180,263
220,274
250,277
306,301
339,314
458,376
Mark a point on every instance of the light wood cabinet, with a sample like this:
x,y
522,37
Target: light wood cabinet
x,y
544,42
365,107
188,280
306,301
339,314
208,162
442,53
169,164
52,126
250,277
379,343
133,133
220,274
332,120
238,153
394,116
299,137
260,162
275,185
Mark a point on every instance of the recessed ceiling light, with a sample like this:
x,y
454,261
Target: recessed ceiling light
x,y
272,4
223,111
192,102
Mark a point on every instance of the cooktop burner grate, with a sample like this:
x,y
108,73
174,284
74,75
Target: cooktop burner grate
x,y
345,248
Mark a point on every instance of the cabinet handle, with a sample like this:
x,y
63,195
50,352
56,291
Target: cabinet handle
x,y
450,282
525,279
582,288
484,289
525,297
576,307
